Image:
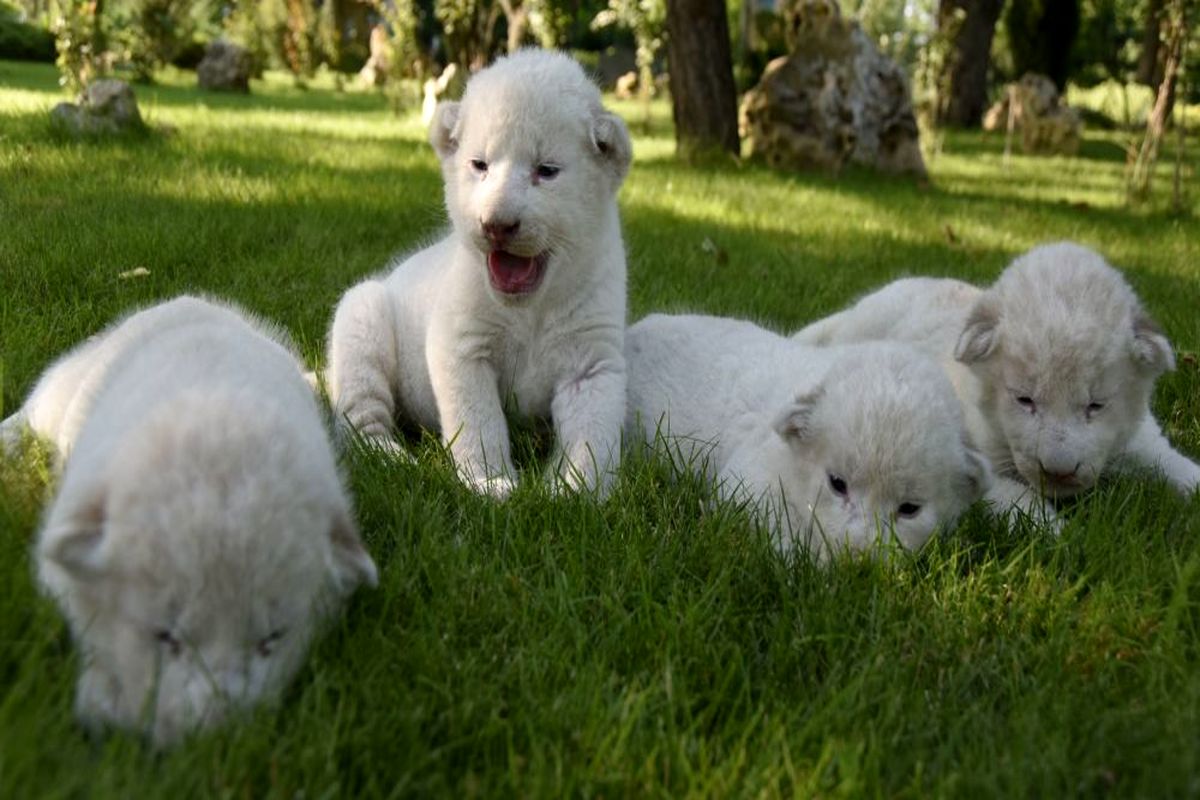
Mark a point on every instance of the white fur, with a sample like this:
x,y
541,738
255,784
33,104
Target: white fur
x,y
200,529
1061,330
437,344
778,422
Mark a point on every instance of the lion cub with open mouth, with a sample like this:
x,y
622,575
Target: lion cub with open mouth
x,y
523,303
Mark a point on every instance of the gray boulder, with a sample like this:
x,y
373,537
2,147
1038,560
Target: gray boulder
x,y
105,107
835,99
1046,124
226,67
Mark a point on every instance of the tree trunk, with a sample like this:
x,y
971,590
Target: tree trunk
x,y
517,16
703,97
1149,66
971,54
1156,123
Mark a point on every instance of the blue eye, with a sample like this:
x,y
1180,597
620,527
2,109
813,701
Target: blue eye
x,y
547,171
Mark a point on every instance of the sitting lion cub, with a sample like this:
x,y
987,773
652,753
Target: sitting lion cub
x,y
1054,364
200,530
523,303
835,446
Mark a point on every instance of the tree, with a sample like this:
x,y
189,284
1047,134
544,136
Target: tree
x,y
703,97
1040,36
1173,46
970,56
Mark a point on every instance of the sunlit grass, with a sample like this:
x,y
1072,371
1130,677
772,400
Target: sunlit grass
x,y
653,645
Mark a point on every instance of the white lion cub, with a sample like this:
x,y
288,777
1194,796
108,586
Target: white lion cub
x,y
1055,365
523,302
200,530
835,446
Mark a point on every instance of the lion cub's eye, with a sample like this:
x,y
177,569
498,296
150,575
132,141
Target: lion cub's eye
x,y
479,165
908,510
547,171
838,484
266,645
168,641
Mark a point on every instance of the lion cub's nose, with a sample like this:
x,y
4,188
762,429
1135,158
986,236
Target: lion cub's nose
x,y
1058,472
500,232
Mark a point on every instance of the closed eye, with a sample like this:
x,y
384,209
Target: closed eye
x,y
908,510
266,645
168,641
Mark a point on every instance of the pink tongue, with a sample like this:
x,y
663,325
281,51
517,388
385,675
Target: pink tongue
x,y
511,273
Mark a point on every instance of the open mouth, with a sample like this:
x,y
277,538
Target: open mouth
x,y
514,274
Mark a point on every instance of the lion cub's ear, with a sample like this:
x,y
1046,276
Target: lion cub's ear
x,y
980,335
1150,345
444,130
351,564
77,544
610,138
794,422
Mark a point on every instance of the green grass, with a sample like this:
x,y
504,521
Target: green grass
x,y
647,646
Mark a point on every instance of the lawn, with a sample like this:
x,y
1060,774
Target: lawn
x,y
651,645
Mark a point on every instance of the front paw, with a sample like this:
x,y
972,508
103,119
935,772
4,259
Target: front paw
x,y
496,486
387,446
1033,507
569,479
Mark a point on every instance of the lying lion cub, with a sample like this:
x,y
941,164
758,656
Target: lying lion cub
x,y
200,531
1054,364
523,303
835,446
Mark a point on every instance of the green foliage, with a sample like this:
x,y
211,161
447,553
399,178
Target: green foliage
x,y
145,35
469,28
79,38
1106,47
646,20
283,34
22,40
654,645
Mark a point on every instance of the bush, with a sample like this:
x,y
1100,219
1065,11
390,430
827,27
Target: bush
x,y
20,41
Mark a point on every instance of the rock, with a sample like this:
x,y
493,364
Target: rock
x,y
374,72
225,67
834,99
447,86
106,106
1046,124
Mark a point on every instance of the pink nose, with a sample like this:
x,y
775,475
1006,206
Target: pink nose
x,y
1058,473
499,232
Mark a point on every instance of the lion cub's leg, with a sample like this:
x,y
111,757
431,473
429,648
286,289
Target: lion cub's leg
x,y
588,413
364,362
1149,448
472,420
